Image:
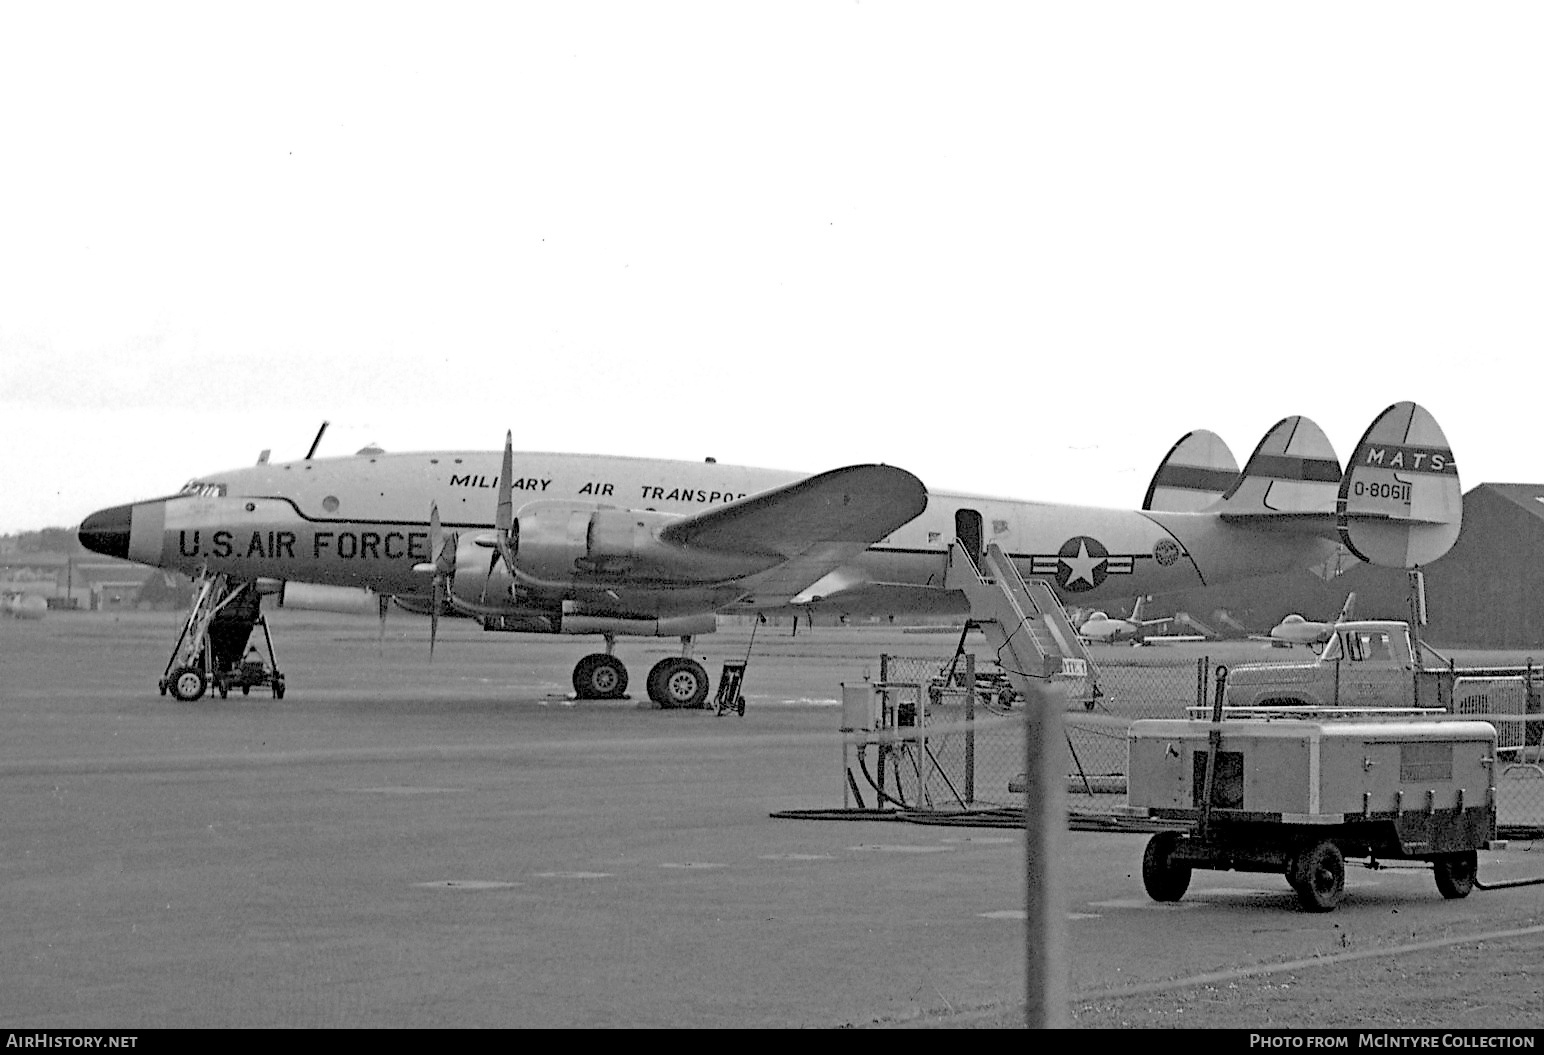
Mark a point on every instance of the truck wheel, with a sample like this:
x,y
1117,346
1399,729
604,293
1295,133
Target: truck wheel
x,y
1318,876
1164,878
1455,873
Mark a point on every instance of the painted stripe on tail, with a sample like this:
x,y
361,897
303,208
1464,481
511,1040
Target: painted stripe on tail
x,y
1197,471
1293,470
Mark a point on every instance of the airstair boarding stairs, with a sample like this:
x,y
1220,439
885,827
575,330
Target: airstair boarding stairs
x,y
1022,619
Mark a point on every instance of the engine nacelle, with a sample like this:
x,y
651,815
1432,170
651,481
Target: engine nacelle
x,y
573,544
616,557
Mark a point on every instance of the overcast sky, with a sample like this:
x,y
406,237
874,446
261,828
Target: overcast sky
x,y
1018,249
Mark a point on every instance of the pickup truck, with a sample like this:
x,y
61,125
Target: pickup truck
x,y
1372,665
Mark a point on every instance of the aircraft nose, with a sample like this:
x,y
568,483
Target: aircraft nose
x,y
107,531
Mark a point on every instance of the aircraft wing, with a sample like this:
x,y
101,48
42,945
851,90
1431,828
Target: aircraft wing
x,y
860,504
815,525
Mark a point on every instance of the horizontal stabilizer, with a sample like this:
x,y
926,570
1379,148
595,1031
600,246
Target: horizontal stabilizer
x,y
1399,505
1196,472
1293,471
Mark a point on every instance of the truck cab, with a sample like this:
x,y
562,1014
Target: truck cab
x,y
1366,664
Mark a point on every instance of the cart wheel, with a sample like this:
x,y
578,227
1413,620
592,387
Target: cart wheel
x,y
188,683
1164,878
740,706
1318,875
1455,873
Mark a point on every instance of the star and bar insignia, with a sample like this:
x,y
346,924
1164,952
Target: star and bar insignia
x,y
1082,564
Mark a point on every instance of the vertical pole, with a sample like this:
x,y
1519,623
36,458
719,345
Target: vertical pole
x,y
970,730
885,741
1045,824
1213,745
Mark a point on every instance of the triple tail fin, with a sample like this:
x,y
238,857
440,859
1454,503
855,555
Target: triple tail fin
x,y
1293,470
1196,472
1400,505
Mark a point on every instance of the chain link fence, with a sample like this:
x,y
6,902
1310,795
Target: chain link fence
x,y
950,736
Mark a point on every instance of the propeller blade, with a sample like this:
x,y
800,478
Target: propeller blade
x,y
434,614
442,565
503,516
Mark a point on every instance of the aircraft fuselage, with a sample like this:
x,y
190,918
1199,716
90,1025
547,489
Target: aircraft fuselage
x,y
363,520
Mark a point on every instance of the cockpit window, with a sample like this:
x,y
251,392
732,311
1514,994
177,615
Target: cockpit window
x,y
202,489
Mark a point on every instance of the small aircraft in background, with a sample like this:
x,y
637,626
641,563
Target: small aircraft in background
x,y
20,605
1103,629
1295,630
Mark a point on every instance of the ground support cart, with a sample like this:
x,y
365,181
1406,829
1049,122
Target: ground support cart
x,y
252,672
1300,798
212,651
729,698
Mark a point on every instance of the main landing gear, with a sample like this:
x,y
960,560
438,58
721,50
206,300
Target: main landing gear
x,y
676,681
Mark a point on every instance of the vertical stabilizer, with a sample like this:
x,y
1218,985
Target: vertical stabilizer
x,y
1399,505
1196,472
1293,470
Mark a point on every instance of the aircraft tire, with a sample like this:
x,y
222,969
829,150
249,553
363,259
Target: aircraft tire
x,y
652,682
188,684
599,676
678,682
1318,876
1455,873
1163,878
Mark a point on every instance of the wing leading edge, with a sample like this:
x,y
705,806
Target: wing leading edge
x,y
857,504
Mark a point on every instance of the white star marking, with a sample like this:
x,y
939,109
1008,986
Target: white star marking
x,y
1082,566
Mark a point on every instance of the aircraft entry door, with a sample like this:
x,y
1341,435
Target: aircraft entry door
x,y
967,528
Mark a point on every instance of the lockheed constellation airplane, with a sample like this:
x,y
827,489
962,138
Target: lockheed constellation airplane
x,y
587,544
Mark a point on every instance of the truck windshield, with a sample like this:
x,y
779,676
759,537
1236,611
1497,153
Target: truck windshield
x,y
1360,646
